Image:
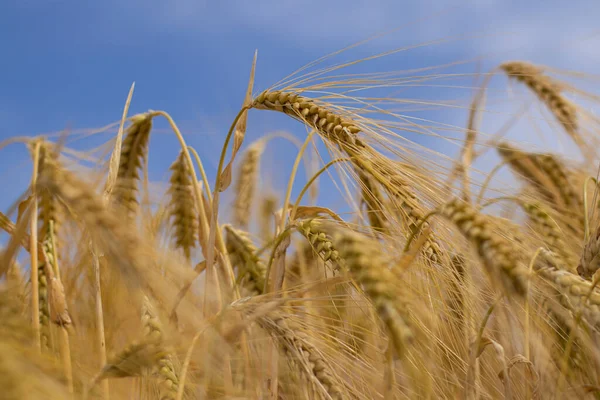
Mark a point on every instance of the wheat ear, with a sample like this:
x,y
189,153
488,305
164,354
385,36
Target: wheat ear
x,y
245,186
133,154
499,256
182,207
243,253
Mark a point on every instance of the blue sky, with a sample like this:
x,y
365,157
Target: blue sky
x,y
67,63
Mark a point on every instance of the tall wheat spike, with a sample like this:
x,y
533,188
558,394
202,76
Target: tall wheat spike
x,y
245,186
182,207
133,154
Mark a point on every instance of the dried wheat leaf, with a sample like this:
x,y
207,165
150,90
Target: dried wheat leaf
x,y
240,130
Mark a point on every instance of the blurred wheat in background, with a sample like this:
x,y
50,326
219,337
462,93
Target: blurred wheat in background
x,y
425,272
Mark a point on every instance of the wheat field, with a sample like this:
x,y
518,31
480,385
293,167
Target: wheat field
x,y
420,277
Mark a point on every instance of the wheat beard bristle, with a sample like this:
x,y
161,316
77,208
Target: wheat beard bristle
x,y
548,91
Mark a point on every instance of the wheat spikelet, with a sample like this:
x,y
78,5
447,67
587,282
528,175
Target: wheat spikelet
x,y
246,183
133,154
548,91
153,331
499,256
242,252
296,344
182,206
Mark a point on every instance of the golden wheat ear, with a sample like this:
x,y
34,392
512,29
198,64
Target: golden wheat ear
x,y
182,207
133,154
245,186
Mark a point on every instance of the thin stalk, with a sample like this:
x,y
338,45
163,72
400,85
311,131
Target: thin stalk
x,y
310,182
214,231
100,334
278,241
288,192
203,173
33,247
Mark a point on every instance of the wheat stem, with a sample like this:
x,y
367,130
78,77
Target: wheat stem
x,y
310,182
33,247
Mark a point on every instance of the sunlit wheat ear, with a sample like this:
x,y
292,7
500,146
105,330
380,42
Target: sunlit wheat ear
x,y
133,153
548,90
246,184
243,253
329,124
182,208
301,353
368,267
153,330
321,243
499,256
